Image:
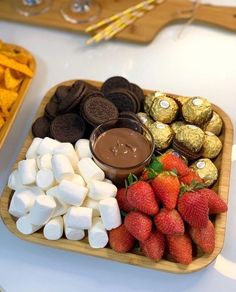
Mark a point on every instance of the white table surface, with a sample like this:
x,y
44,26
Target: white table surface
x,y
202,62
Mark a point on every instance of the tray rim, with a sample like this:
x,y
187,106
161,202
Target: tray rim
x,y
21,95
131,258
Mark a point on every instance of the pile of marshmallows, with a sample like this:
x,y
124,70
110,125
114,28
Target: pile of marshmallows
x,y
59,187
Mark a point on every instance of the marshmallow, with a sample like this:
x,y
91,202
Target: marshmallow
x,y
44,161
99,190
36,191
72,233
110,213
89,203
68,150
71,193
27,170
77,179
42,210
79,217
97,234
61,207
89,170
14,181
13,211
82,148
24,226
62,167
108,181
23,200
32,150
47,145
53,230
45,179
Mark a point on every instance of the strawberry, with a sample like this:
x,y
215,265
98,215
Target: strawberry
x,y
180,248
169,222
138,224
141,196
204,237
170,162
120,239
191,177
193,207
154,246
215,204
166,187
122,200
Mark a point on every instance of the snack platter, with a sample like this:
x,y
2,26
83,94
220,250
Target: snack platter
x,y
223,164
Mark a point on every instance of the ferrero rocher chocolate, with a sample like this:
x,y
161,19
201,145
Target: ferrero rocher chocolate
x,y
211,145
164,109
149,99
190,137
162,135
176,125
145,119
197,111
206,169
214,125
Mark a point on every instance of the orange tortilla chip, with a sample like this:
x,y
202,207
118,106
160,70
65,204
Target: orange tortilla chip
x,y
10,63
10,81
21,57
2,121
1,72
7,98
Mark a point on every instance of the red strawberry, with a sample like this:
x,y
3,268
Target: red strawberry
x,y
138,224
122,200
193,207
190,177
180,248
154,246
120,239
204,237
166,187
215,204
170,162
141,196
169,222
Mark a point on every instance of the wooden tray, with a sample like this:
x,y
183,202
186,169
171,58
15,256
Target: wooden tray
x,y
21,94
142,31
223,162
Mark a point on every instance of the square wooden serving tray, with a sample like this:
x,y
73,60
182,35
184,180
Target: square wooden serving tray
x,y
223,163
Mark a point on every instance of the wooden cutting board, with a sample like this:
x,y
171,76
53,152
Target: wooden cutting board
x,y
142,31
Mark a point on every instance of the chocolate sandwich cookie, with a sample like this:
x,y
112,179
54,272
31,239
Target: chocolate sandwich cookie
x,y
113,83
68,127
87,95
41,127
97,110
62,92
137,91
51,110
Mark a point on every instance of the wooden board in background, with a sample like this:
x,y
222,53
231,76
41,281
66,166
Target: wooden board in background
x,y
223,163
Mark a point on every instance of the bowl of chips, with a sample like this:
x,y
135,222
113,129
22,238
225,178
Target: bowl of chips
x,y
17,67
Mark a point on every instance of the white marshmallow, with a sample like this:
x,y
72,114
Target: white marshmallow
x,y
108,181
89,170
110,213
23,200
82,148
99,190
61,207
13,211
62,168
79,217
72,233
42,210
32,150
44,161
27,170
68,150
77,179
71,193
47,145
36,191
53,230
45,179
14,181
97,234
24,226
90,203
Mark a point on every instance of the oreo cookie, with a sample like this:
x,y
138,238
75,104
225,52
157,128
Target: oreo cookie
x,y
123,100
113,83
68,127
41,127
51,110
62,92
137,91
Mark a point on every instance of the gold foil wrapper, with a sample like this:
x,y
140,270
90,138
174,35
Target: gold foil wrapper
x,y
179,99
162,135
164,109
190,137
206,169
214,125
211,145
149,99
197,111
145,119
176,125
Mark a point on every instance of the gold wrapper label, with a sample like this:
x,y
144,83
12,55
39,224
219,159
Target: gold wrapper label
x,y
201,164
164,104
197,101
160,126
